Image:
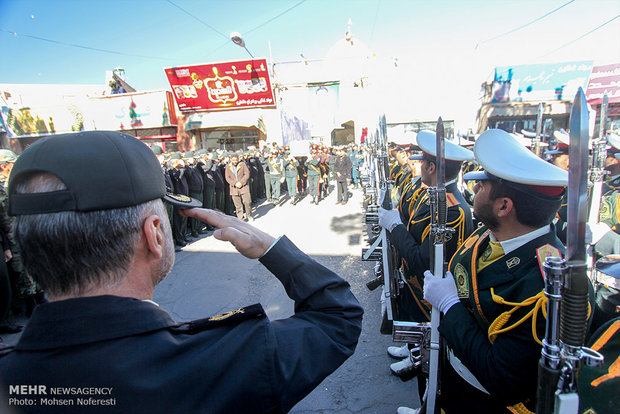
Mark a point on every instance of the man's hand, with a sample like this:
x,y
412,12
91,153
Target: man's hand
x,y
389,219
7,255
441,293
238,184
247,239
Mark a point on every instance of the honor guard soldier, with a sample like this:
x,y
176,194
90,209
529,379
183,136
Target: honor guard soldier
x,y
412,239
108,245
399,173
411,188
493,294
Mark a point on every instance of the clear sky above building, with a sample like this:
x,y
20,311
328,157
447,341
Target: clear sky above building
x,y
452,45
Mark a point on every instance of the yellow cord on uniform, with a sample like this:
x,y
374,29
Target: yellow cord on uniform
x,y
497,327
539,301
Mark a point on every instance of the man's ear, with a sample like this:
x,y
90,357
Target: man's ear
x,y
503,206
154,235
432,168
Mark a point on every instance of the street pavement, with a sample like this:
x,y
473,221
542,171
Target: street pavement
x,y
209,277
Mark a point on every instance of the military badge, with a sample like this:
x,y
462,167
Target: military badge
x,y
462,281
512,262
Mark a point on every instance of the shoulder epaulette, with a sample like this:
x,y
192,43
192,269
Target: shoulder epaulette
x,y
451,200
546,251
228,318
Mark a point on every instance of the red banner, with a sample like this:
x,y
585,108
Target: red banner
x,y
604,79
221,86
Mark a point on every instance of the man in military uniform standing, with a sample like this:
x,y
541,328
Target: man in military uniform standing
x,y
101,328
314,175
276,175
264,162
412,239
492,322
195,186
179,181
291,178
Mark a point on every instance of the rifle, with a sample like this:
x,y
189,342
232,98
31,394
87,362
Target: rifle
x,y
394,282
597,172
439,235
566,288
539,123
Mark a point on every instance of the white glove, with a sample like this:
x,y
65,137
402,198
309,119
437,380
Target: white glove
x,y
441,293
595,232
388,219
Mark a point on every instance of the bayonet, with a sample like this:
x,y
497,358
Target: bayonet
x,y
439,233
567,286
539,131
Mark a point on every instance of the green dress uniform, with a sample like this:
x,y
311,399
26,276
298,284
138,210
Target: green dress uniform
x,y
291,176
495,331
276,170
413,245
314,174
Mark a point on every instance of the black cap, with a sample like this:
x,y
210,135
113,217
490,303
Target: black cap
x,y
101,170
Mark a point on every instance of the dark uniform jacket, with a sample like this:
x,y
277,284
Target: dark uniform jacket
x,y
239,362
218,174
179,180
194,180
206,167
506,364
413,244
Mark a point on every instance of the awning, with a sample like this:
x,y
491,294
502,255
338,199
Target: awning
x,y
226,119
520,110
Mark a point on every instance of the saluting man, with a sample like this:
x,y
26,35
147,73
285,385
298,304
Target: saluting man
x,y
412,238
493,361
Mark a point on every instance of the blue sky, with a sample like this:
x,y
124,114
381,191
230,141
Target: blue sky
x,y
448,47
155,34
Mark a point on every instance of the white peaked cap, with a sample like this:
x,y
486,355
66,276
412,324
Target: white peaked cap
x,y
427,141
504,157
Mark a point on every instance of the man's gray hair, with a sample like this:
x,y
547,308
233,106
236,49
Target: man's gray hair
x,y
69,253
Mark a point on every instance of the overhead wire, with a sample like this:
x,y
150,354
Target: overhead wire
x,y
114,52
524,25
197,19
374,21
259,26
580,37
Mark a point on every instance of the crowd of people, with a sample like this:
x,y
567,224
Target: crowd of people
x,y
96,324
235,182
98,244
492,299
